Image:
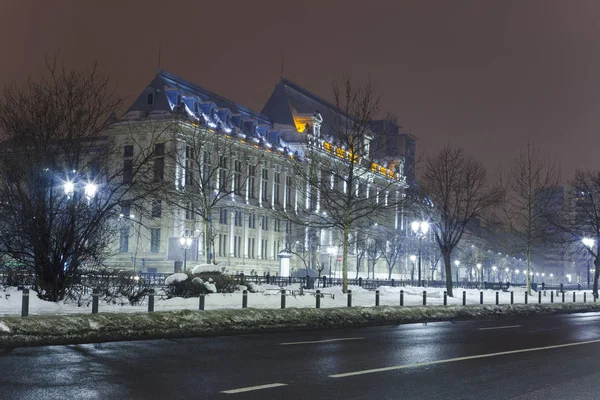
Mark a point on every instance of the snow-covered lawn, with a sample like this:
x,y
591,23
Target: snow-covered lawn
x,y
269,297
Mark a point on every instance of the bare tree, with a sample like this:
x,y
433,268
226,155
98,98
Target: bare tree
x,y
394,249
581,217
216,171
359,242
63,182
530,187
375,250
337,177
454,191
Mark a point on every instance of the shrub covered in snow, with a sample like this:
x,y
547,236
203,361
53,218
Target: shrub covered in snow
x,y
193,284
120,287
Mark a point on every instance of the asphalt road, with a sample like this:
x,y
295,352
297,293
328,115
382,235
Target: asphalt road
x,y
548,357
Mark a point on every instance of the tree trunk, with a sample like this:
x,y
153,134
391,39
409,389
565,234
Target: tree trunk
x,y
596,274
345,260
207,240
528,277
448,267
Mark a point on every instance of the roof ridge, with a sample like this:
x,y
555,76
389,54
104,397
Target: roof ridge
x,y
207,92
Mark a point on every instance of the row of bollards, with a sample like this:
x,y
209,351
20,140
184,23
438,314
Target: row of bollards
x,y
318,296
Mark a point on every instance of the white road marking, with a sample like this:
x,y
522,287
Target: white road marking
x,y
252,388
321,341
422,364
499,327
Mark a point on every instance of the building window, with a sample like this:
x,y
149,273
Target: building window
x,y
189,170
150,98
156,208
264,248
276,178
251,243
223,216
124,240
252,221
277,225
237,180
237,218
189,211
154,240
288,227
159,162
127,164
206,171
251,178
288,190
237,246
265,223
265,184
223,174
222,245
275,248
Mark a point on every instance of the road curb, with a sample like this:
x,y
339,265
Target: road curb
x,y
107,327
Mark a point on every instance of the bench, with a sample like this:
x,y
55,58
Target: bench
x,y
496,286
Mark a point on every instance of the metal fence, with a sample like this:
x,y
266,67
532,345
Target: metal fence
x,y
156,280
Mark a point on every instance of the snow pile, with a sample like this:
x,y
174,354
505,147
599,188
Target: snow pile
x,y
206,268
178,277
47,330
210,286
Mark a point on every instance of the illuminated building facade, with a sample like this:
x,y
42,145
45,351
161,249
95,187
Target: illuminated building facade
x,y
246,231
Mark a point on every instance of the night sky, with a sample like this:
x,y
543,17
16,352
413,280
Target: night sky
x,y
482,75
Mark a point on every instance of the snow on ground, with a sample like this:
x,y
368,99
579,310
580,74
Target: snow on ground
x,y
269,296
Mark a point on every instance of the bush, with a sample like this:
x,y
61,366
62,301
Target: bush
x,y
113,287
202,283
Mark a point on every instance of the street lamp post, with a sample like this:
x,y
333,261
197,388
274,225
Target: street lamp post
x,y
480,272
457,263
420,229
413,259
185,243
331,251
589,243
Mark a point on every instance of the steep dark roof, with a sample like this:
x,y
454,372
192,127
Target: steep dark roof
x,y
289,98
164,78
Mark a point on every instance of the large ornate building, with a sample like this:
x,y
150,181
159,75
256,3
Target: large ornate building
x,y
235,218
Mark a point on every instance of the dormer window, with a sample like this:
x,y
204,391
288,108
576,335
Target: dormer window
x,y
196,107
150,98
179,100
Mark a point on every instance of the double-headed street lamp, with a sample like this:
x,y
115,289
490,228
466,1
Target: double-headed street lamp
x,y
185,243
420,229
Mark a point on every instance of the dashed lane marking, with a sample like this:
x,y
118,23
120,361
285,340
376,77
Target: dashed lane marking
x,y
499,327
321,341
252,388
502,353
